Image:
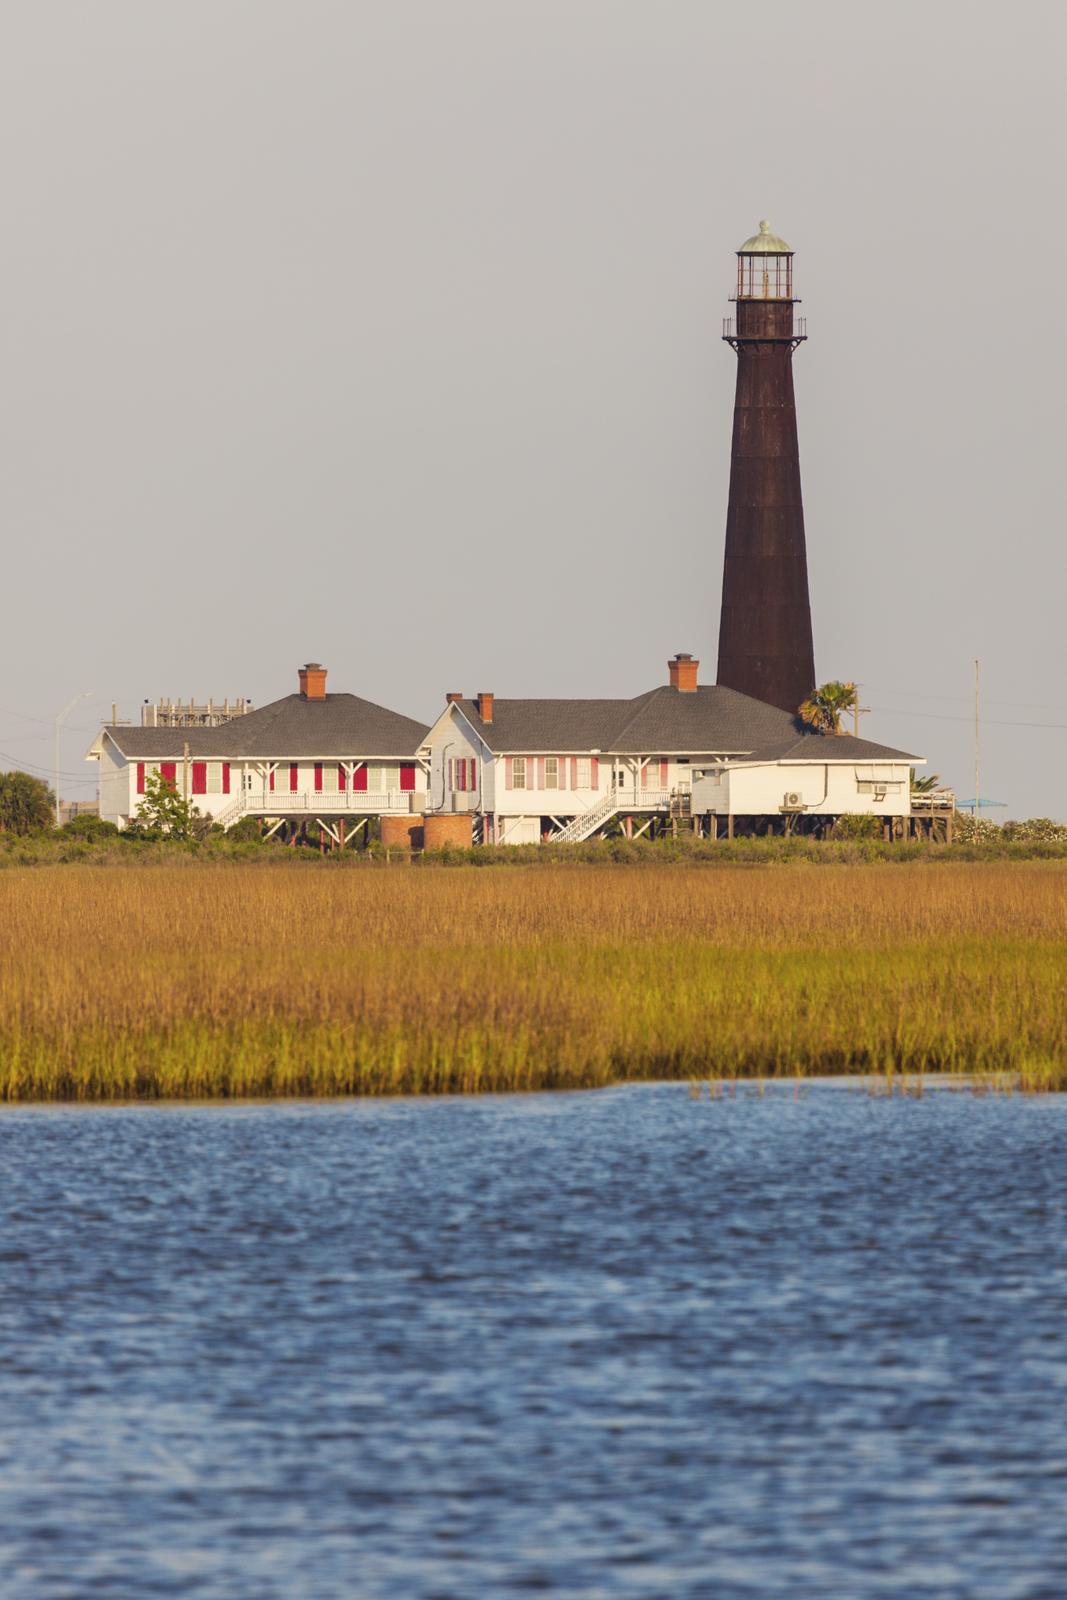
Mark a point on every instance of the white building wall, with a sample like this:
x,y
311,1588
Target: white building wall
x,y
825,789
455,740
116,786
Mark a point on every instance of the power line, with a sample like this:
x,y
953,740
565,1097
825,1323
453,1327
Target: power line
x,y
48,772
943,716
1034,705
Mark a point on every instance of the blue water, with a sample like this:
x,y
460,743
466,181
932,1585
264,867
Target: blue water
x,y
608,1344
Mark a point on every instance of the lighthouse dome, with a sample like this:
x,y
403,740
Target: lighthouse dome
x,y
765,243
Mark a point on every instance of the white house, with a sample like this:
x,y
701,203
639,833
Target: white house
x,y
330,758
564,770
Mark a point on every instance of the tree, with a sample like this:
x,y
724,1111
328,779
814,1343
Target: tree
x,y
825,706
925,785
26,804
164,813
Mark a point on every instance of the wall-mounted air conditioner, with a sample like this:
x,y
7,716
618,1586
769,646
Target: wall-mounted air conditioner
x,y
792,801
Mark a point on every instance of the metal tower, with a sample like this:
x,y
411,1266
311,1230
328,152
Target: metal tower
x,y
765,645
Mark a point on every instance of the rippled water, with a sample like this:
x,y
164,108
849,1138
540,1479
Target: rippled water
x,y
606,1344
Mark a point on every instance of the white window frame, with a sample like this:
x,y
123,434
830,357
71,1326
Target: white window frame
x,y
552,776
518,772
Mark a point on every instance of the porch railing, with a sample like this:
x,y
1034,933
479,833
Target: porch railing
x,y
265,803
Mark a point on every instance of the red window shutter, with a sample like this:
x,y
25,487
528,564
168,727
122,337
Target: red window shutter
x,y
318,777
594,773
407,776
272,783
168,771
293,777
540,772
342,776
474,773
140,777
359,779
200,777
509,772
574,772
663,772
225,777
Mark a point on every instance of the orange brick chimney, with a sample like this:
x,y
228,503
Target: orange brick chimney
x,y
313,681
450,699
485,706
683,670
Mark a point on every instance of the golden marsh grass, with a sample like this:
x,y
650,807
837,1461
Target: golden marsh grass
x,y
243,980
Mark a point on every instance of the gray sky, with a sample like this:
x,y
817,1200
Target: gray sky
x,y
388,335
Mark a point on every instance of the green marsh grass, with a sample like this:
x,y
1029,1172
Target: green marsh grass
x,y
207,980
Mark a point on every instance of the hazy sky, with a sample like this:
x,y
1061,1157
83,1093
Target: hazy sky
x,y
388,335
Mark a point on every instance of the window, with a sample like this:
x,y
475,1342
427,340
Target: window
x,y
552,772
518,772
214,777
374,778
582,769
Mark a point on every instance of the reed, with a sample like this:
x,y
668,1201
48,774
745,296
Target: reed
x,y
198,980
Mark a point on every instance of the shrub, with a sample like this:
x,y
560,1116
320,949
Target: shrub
x,y
858,825
968,829
26,804
248,831
1035,830
90,827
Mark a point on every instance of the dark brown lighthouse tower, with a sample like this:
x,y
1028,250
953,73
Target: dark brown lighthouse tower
x,y
765,647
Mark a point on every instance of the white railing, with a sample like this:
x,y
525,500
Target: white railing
x,y
615,798
231,813
327,802
586,822
630,798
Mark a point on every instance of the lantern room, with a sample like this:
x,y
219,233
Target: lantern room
x,y
764,267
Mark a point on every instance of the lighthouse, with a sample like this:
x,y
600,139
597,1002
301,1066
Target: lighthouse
x,y
765,644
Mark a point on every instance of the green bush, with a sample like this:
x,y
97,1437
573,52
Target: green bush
x,y
248,831
27,805
90,827
858,825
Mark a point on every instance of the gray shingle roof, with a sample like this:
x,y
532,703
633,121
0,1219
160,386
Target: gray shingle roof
x,y
342,726
711,720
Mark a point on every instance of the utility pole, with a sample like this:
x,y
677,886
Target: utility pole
x,y
61,717
978,727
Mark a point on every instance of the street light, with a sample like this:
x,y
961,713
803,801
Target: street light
x,y
61,717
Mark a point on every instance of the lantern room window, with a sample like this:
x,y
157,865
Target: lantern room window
x,y
765,267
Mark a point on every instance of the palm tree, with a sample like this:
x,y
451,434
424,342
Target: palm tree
x,y
825,706
925,785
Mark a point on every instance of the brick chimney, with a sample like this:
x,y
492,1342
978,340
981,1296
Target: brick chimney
x,y
451,699
313,681
683,670
485,706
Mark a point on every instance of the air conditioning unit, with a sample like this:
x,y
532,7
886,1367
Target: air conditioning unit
x,y
792,801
